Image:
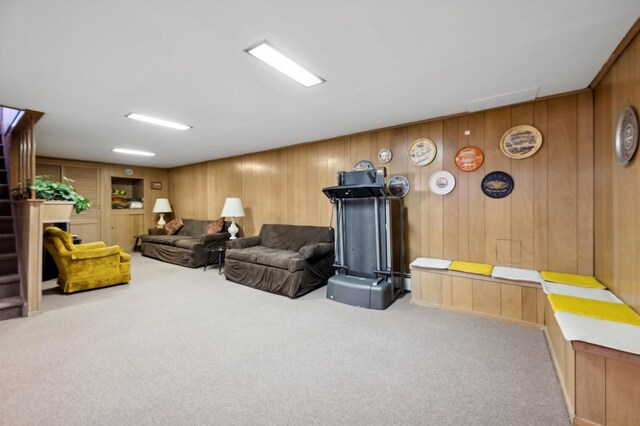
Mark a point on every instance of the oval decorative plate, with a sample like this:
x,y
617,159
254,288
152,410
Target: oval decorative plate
x,y
497,185
385,155
398,186
626,135
442,182
422,151
469,158
521,142
364,165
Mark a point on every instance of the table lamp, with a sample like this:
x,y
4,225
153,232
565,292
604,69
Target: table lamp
x,y
162,206
232,209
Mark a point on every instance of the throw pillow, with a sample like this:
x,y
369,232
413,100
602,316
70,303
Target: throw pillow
x,y
215,226
174,226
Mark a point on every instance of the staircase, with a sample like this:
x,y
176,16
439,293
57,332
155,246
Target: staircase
x,y
11,304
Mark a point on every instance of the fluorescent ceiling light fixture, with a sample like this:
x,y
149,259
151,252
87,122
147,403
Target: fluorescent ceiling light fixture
x,y
157,121
133,152
272,57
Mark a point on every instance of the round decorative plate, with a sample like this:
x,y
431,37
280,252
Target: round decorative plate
x,y
521,142
626,135
422,152
364,165
497,185
128,172
442,182
469,158
385,155
398,186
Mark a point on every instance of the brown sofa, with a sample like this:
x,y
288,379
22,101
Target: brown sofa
x,y
188,247
284,259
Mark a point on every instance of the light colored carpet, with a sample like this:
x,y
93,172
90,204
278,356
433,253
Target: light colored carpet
x,y
183,346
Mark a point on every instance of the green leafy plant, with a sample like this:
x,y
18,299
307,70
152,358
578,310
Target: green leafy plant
x,y
47,189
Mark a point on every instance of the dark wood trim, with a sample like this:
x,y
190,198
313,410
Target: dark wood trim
x,y
631,34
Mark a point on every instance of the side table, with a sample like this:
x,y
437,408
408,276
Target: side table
x,y
219,252
136,247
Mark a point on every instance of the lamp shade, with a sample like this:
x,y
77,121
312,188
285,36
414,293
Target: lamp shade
x,y
162,206
232,208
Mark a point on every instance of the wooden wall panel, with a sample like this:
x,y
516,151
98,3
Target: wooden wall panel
x,y
476,198
616,188
563,184
532,228
540,190
497,224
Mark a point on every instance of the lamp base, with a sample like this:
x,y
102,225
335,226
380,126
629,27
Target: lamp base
x,y
161,221
233,229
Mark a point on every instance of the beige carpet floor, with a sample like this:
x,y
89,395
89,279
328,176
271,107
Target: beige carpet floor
x,y
178,346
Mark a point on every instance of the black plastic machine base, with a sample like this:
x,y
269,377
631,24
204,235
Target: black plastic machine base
x,y
371,293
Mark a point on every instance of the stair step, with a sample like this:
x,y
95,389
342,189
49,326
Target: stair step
x,y
8,263
10,289
7,243
5,208
10,307
9,278
6,225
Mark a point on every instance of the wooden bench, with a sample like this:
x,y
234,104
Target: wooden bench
x,y
601,385
518,301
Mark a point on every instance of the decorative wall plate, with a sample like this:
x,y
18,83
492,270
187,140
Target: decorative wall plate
x,y
469,158
626,135
442,182
364,165
497,185
521,142
398,186
422,152
385,155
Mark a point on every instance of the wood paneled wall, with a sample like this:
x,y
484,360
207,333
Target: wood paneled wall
x,y
94,181
546,223
617,189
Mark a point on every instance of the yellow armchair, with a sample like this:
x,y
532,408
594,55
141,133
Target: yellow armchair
x,y
86,266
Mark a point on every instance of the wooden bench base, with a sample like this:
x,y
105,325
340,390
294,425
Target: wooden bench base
x,y
601,386
517,301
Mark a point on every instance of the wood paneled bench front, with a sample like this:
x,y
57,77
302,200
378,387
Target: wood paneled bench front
x,y
518,301
600,382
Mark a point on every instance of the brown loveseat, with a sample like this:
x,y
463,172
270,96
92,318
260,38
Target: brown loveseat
x,y
188,247
284,259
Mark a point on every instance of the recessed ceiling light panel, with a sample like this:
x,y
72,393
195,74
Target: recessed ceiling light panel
x,y
133,152
157,121
274,58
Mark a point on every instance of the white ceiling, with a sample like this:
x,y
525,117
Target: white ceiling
x,y
86,64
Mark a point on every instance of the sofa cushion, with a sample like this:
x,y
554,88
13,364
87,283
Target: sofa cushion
x,y
294,237
283,259
173,226
169,240
249,254
193,228
187,243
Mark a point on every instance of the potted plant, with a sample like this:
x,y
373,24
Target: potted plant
x,y
49,190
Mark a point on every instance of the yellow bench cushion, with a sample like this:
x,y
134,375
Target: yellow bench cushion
x,y
608,311
571,279
472,268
